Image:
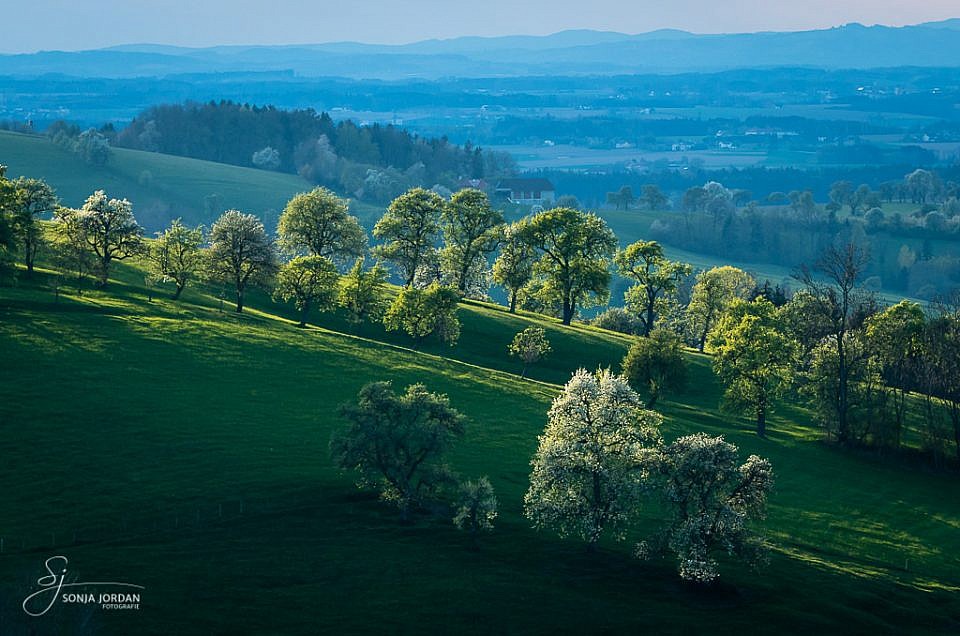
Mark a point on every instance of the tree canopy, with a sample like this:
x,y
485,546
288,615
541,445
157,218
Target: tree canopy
x,y
574,249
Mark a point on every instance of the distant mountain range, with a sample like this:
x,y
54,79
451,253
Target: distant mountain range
x,y
853,46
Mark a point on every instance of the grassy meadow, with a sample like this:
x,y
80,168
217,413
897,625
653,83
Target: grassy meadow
x,y
163,187
182,448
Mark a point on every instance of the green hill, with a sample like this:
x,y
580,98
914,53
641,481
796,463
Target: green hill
x,y
163,187
184,449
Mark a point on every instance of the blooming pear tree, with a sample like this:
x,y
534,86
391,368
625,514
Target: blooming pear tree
x,y
712,503
594,459
110,230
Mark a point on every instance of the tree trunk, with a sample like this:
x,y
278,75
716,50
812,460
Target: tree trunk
x,y
568,310
654,395
239,300
513,301
955,416
28,256
523,372
843,435
762,421
648,325
176,294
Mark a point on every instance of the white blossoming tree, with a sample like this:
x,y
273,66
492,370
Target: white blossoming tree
x,y
110,231
712,503
592,465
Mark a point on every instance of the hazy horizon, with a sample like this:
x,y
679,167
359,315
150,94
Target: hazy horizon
x,y
103,23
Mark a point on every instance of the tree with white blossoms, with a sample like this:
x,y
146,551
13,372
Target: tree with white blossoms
x,y
712,503
594,459
530,345
110,231
240,252
476,508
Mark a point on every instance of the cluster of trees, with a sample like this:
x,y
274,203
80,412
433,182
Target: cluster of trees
x,y
794,228
831,342
374,162
600,458
91,145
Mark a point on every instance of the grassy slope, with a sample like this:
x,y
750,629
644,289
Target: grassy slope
x,y
177,185
137,425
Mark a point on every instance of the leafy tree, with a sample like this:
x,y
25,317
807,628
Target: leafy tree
x,y
656,277
409,231
530,345
940,362
513,268
922,185
574,249
9,198
477,507
177,255
654,198
715,290
362,292
422,312
656,364
110,230
754,358
694,199
310,282
318,223
822,383
802,319
622,198
894,337
834,286
240,252
841,194
34,197
591,466
397,443
70,249
712,502
471,230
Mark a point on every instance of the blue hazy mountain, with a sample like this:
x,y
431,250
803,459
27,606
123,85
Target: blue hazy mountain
x,y
566,53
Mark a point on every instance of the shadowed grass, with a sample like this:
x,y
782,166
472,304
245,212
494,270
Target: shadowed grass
x,y
118,413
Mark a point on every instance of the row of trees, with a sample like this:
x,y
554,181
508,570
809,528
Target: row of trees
x,y
556,261
600,459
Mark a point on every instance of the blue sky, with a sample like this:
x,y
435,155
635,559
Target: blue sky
x,y
86,24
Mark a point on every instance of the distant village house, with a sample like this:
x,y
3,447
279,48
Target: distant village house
x,y
526,191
